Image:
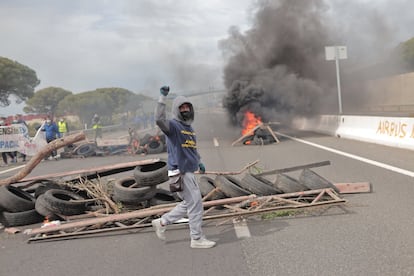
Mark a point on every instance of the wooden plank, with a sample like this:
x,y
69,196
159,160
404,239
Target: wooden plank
x,y
353,187
291,169
101,171
273,134
112,142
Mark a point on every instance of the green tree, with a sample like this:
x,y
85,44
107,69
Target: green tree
x,y
16,79
86,104
46,100
406,50
105,102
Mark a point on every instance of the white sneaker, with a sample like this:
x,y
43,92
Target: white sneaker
x,y
159,229
202,243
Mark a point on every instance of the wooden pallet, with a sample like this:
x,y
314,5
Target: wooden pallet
x,y
238,207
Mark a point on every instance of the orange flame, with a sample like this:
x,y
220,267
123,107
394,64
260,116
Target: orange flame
x,y
250,121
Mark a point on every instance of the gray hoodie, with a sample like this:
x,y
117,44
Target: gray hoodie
x,y
180,134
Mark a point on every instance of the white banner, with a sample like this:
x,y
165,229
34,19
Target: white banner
x,y
16,138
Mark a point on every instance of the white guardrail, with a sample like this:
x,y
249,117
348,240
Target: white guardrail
x,y
390,131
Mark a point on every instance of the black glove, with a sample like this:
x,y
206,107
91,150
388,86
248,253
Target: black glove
x,y
164,90
201,168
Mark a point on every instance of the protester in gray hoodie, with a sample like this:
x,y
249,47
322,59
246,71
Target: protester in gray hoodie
x,y
182,139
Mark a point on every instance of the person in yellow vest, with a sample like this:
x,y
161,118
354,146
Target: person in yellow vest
x,y
96,125
62,127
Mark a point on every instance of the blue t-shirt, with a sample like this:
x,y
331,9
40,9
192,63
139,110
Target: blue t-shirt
x,y
183,139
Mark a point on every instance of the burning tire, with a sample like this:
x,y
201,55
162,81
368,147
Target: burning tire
x,y
258,185
230,186
151,174
288,184
14,199
314,181
126,193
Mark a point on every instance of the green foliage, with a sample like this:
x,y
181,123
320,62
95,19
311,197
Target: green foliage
x,y
407,52
16,79
280,213
103,101
32,128
46,101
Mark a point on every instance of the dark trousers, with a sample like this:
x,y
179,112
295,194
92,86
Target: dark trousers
x,y
54,152
4,156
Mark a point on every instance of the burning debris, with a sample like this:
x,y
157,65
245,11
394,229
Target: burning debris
x,y
277,69
255,132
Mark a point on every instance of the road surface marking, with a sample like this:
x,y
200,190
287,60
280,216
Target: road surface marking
x,y
215,142
356,157
12,169
241,228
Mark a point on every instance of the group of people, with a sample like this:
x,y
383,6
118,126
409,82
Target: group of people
x,y
18,119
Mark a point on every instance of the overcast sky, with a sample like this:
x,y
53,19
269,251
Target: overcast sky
x,y
140,45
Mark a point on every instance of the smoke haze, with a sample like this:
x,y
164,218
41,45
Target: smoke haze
x,y
277,69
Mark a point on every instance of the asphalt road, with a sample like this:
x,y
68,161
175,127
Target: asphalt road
x,y
372,235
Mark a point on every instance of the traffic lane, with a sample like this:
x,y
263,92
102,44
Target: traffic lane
x,y
374,238
401,158
253,253
120,253
137,253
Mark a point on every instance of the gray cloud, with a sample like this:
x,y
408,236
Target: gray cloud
x,y
83,45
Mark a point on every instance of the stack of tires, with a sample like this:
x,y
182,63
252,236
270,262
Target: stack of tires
x,y
17,207
45,199
142,188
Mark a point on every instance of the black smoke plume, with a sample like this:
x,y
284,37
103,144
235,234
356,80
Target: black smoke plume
x,y
277,69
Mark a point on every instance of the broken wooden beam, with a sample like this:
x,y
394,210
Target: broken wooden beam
x,y
353,187
94,172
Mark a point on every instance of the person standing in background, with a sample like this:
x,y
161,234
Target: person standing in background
x,y
96,125
62,127
52,132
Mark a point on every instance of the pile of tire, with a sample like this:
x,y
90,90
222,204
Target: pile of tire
x,y
230,186
44,199
17,207
142,188
82,150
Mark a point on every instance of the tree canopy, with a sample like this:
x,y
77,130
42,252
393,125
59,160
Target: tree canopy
x,y
16,79
46,100
406,50
103,101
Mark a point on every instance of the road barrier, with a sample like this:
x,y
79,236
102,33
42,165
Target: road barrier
x,y
390,131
